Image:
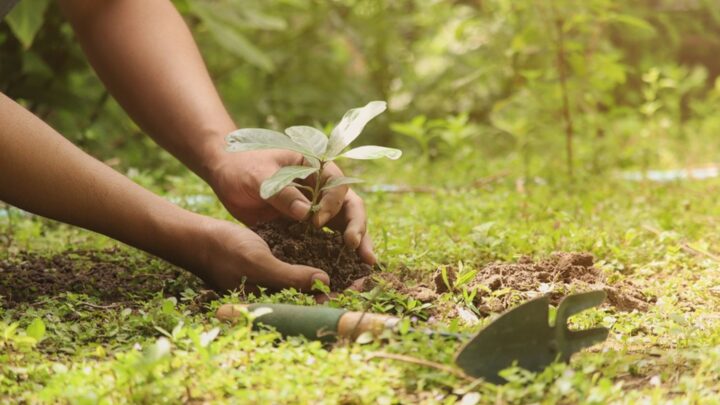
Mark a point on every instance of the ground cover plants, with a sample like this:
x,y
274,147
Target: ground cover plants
x,y
300,243
546,147
156,339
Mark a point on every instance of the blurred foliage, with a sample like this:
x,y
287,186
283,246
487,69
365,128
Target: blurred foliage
x,y
628,82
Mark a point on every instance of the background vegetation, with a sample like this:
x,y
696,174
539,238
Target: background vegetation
x,y
521,121
619,83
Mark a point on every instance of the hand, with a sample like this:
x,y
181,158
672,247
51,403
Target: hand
x,y
236,180
232,255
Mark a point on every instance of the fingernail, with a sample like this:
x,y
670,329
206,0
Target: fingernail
x,y
299,209
355,241
322,218
323,278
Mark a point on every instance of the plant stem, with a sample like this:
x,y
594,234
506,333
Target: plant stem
x,y
316,192
562,73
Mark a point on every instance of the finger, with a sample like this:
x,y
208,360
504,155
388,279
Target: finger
x,y
365,250
291,203
355,219
275,273
332,200
330,205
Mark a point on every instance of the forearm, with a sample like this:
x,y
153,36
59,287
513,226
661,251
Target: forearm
x,y
42,172
146,56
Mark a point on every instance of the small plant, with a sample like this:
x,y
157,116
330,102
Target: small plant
x,y
316,147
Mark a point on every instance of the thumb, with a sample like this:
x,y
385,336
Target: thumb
x,y
278,274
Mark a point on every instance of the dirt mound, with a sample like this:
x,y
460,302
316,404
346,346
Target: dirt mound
x,y
557,275
298,243
110,275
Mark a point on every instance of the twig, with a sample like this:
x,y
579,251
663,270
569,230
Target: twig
x,y
684,245
342,252
91,305
422,362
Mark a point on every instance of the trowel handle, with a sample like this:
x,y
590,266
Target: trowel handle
x,y
313,322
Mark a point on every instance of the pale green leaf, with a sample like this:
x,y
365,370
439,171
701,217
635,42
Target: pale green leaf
x,y
26,19
36,329
311,138
233,41
351,125
282,178
247,139
372,152
340,181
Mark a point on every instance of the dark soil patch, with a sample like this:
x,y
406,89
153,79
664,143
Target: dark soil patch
x,y
557,275
298,243
112,276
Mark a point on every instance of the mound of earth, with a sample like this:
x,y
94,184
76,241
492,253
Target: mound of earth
x,y
111,275
297,243
557,275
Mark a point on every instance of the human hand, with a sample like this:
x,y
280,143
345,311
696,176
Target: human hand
x,y
236,180
232,256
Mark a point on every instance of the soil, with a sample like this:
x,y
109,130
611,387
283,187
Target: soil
x,y
556,275
503,285
298,243
111,276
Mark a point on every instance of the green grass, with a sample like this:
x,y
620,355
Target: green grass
x,y
160,349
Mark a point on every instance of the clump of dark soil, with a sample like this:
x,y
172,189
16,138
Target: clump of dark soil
x,y
557,275
112,276
299,243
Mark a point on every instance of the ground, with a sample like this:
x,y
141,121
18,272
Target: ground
x,y
120,326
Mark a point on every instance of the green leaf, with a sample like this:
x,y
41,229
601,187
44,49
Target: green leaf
x,y
311,138
36,329
26,19
372,152
631,21
283,178
352,125
233,41
248,139
340,181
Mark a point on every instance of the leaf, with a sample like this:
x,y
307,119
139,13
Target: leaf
x,y
26,19
311,138
248,139
207,337
233,41
36,329
159,350
283,178
352,125
631,21
340,181
372,152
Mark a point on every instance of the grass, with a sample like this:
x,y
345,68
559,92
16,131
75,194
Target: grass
x,y
154,349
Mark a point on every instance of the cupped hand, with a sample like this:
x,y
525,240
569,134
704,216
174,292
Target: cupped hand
x,y
236,180
232,256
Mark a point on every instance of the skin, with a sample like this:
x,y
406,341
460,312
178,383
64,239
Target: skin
x,y
145,55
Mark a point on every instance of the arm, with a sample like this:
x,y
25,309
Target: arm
x,y
145,54
40,171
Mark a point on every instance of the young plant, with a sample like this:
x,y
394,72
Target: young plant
x,y
316,147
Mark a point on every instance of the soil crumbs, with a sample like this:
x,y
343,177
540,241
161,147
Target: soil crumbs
x,y
499,285
299,243
557,275
111,275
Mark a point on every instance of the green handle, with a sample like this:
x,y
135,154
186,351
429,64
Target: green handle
x,y
314,322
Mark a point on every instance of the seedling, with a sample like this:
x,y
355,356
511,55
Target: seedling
x,y
317,148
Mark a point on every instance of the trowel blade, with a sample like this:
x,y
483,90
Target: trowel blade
x,y
523,337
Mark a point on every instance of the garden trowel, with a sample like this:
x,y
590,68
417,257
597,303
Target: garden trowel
x,y
521,336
